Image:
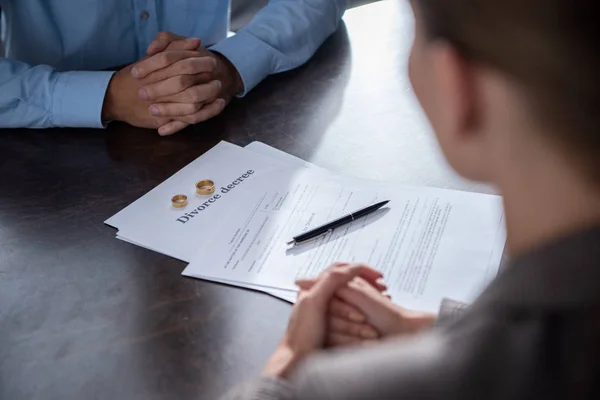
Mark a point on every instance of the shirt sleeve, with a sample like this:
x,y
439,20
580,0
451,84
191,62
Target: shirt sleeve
x,y
421,360
41,97
266,388
282,36
388,371
450,312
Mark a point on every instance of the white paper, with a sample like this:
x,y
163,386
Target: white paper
x,y
155,223
151,221
430,243
282,156
283,294
146,222
270,155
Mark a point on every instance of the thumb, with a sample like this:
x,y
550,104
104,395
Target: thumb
x,y
332,280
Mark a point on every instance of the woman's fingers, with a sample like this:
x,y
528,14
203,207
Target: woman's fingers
x,y
359,294
344,327
336,339
368,274
333,279
338,308
308,283
371,274
379,284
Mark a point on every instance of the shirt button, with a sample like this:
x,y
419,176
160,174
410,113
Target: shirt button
x,y
144,15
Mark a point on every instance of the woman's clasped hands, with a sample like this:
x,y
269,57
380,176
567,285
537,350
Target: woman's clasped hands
x,y
347,305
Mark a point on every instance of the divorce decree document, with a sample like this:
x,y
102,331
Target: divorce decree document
x,y
429,243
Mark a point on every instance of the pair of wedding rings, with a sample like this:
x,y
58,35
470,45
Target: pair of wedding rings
x,y
203,187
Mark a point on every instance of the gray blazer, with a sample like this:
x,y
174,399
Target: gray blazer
x,y
534,333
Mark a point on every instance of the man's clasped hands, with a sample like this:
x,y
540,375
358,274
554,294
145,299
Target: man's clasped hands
x,y
346,305
179,83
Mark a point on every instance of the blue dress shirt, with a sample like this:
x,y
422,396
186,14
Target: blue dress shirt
x,y
55,49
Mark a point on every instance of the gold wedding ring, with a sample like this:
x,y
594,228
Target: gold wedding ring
x,y
179,201
205,187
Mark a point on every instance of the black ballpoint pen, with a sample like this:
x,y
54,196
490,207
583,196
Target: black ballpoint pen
x,y
330,226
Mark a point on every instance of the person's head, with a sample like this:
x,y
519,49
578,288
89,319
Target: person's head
x,y
505,81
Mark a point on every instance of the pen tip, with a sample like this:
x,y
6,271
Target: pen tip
x,y
291,242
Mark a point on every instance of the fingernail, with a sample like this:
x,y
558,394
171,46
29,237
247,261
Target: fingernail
x,y
355,317
192,39
154,110
368,333
135,72
162,131
143,95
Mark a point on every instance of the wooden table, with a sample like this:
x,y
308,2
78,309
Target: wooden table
x,y
85,316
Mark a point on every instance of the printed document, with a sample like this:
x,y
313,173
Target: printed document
x,y
152,222
429,243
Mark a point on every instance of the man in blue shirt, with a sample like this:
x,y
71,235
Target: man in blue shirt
x,y
57,50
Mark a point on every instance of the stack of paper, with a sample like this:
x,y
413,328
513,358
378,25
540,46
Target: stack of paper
x,y
429,243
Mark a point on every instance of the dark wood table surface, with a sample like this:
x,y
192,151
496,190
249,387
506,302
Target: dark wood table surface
x,y
86,316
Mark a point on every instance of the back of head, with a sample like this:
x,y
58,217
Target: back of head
x,y
548,47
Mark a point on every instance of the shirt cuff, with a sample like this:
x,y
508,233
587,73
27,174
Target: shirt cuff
x,y
251,57
78,98
450,312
